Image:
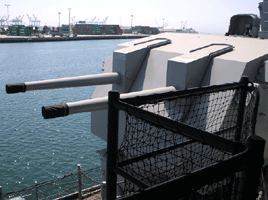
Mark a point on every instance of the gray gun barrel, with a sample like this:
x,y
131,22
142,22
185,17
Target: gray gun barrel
x,y
79,81
62,110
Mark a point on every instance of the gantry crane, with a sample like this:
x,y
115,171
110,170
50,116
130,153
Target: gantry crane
x,y
36,22
33,21
104,21
3,20
18,20
91,21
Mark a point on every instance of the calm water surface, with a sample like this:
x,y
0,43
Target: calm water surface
x,y
35,149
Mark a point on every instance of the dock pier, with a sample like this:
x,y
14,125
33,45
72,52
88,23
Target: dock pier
x,y
14,39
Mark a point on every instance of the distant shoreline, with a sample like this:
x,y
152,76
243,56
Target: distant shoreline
x,y
15,39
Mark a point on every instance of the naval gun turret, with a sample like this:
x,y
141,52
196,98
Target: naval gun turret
x,y
244,25
263,7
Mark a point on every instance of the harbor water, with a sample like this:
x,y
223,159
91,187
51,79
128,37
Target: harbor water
x,y
32,148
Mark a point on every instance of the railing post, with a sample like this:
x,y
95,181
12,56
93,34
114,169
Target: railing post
x,y
103,190
79,182
248,187
241,108
36,190
1,193
112,145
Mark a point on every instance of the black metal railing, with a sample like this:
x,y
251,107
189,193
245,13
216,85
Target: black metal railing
x,y
200,141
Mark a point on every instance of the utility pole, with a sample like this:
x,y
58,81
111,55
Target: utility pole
x,y
163,24
131,21
59,18
7,5
69,20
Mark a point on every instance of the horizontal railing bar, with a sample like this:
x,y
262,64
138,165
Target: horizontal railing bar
x,y
218,171
183,93
154,153
195,179
126,175
188,131
224,130
167,149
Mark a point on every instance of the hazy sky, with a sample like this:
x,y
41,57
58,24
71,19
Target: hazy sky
x,y
205,16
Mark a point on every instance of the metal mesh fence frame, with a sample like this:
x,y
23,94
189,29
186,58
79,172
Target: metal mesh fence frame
x,y
233,178
211,109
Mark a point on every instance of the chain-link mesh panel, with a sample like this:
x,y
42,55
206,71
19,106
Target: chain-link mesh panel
x,y
185,155
228,188
250,114
215,112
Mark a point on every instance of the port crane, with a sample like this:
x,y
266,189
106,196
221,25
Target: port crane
x,y
183,27
36,21
33,21
96,21
92,20
165,24
18,20
104,21
30,20
101,22
4,20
